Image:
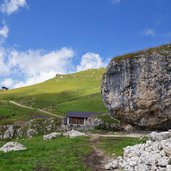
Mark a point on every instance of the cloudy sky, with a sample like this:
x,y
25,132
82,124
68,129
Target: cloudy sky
x,y
40,38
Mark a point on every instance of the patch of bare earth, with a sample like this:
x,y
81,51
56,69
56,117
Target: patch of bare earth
x,y
97,159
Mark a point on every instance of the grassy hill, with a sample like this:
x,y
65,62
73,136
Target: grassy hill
x,y
10,113
73,92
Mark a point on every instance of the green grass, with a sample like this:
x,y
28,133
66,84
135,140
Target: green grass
x,y
108,123
107,118
73,92
163,50
115,145
60,154
10,113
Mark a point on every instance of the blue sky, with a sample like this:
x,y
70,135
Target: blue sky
x,y
40,38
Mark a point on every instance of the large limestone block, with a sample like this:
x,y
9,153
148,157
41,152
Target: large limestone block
x,y
136,88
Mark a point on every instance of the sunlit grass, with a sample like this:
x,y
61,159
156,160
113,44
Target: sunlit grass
x,y
60,154
115,145
73,92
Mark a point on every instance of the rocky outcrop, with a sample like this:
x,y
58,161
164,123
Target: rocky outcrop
x,y
74,133
51,136
7,131
136,88
31,128
154,136
155,154
39,127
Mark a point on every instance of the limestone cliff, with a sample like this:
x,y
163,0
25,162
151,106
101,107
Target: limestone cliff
x,y
136,88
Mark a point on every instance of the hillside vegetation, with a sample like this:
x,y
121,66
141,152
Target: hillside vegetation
x,y
62,153
163,50
10,113
73,92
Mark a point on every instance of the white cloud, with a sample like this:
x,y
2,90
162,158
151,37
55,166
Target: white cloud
x,y
38,66
8,82
149,32
90,60
11,6
4,31
18,69
115,1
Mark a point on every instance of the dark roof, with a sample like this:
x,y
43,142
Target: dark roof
x,y
80,114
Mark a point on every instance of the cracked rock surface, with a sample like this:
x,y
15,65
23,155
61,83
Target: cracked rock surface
x,y
136,88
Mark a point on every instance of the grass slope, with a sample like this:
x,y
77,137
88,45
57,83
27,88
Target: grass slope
x,y
10,113
60,154
163,50
74,92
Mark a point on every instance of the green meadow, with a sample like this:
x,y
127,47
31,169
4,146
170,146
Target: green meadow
x,y
73,92
10,113
60,154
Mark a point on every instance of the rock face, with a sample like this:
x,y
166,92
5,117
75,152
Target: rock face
x,y
106,125
150,156
7,132
136,88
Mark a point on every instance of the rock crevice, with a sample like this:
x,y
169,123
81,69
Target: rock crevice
x,y
137,88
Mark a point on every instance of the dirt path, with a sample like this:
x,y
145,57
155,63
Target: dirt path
x,y
97,159
40,110
133,135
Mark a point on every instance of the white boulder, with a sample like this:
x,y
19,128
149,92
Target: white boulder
x,y
12,146
154,136
74,133
166,145
168,167
51,136
113,165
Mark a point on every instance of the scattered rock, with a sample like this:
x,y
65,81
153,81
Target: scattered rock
x,y
74,133
12,146
113,165
51,136
168,167
154,136
154,155
31,128
39,127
